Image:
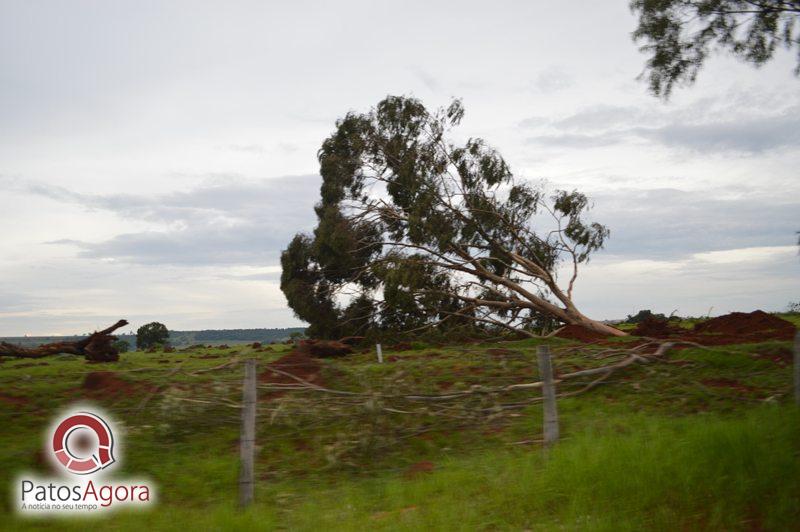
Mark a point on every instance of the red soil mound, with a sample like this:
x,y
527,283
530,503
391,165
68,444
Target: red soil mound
x,y
325,348
582,334
107,385
352,340
734,328
752,326
297,363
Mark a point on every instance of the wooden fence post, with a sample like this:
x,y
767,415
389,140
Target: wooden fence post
x,y
380,353
247,439
797,368
549,395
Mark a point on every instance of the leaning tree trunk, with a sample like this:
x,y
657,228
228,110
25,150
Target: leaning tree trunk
x,y
570,314
97,347
597,326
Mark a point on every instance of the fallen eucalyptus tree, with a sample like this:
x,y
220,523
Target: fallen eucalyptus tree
x,y
416,231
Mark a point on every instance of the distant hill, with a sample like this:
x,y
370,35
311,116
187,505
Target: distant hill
x,y
179,338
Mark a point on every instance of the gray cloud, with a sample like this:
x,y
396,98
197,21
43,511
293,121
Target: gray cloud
x,y
251,244
668,224
16,301
232,223
577,140
427,79
750,136
600,117
552,79
698,127
245,148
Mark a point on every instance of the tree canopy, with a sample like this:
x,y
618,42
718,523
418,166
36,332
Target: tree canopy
x,y
678,35
416,231
154,333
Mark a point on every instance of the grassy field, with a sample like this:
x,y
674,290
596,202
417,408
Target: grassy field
x,y
706,441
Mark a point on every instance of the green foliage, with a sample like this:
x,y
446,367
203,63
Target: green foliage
x,y
644,315
307,292
403,211
151,335
122,346
679,35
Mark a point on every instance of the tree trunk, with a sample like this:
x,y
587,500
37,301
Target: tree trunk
x,y
595,326
96,347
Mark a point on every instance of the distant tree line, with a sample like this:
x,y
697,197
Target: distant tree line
x,y
244,335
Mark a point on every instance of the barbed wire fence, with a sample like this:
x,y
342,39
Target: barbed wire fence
x,y
368,414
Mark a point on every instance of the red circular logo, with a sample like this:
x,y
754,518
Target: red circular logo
x,y
96,455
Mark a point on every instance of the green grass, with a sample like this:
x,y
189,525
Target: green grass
x,y
707,442
659,473
793,317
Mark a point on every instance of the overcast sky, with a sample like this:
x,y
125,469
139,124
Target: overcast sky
x,y
155,157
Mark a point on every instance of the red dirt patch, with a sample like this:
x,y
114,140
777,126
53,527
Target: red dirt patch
x,y
300,444
729,383
782,356
582,334
502,352
297,363
13,399
107,385
402,346
753,326
734,328
324,348
494,429
419,468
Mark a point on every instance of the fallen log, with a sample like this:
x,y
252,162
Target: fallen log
x,y
97,347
